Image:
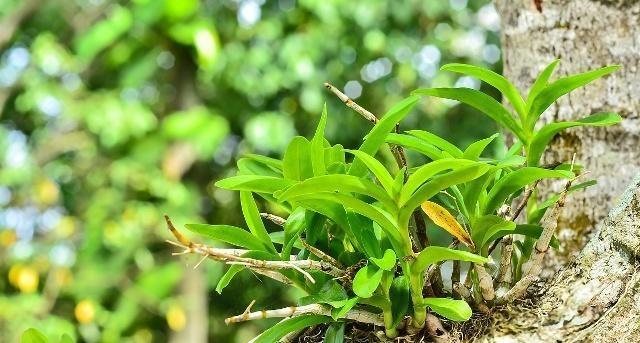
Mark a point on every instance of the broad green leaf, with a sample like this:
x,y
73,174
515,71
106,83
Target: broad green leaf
x,y
516,180
331,293
317,146
441,182
480,101
254,221
387,262
229,234
560,87
442,218
334,333
456,310
474,150
268,161
297,163
361,207
228,276
247,166
498,81
541,82
485,228
400,298
381,173
66,339
367,280
534,231
437,141
254,183
433,254
33,336
337,183
426,172
236,268
378,134
340,312
274,333
414,143
542,138
294,225
362,228
334,154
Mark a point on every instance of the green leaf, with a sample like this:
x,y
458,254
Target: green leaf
x,y
434,254
416,144
254,183
33,336
236,268
254,221
505,87
334,333
268,161
440,182
247,166
456,310
295,224
362,228
340,312
387,262
474,150
437,141
376,168
534,231
274,333
542,138
229,234
541,82
426,172
66,339
367,280
367,210
337,183
489,228
379,133
297,163
560,87
480,101
400,298
516,180
317,146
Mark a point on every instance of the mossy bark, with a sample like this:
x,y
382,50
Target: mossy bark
x,y
585,35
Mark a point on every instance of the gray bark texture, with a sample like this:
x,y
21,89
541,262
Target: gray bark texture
x,y
595,295
585,35
595,298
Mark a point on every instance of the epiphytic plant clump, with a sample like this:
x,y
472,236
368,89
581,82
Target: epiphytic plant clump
x,y
355,239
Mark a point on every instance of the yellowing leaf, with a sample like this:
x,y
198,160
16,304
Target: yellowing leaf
x,y
441,217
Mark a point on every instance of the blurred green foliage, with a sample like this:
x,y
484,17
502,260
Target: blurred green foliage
x,y
115,112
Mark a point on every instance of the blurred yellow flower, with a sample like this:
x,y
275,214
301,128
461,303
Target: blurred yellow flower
x,y
176,318
24,278
85,311
46,192
7,238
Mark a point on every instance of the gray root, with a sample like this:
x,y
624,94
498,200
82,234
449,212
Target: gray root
x,y
355,315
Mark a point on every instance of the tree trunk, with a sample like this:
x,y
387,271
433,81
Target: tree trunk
x,y
585,35
595,297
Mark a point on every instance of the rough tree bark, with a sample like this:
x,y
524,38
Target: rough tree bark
x,y
584,34
596,296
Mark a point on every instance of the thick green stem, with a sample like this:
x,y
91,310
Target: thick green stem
x,y
416,283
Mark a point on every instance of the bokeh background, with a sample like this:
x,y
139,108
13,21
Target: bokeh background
x,y
115,112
